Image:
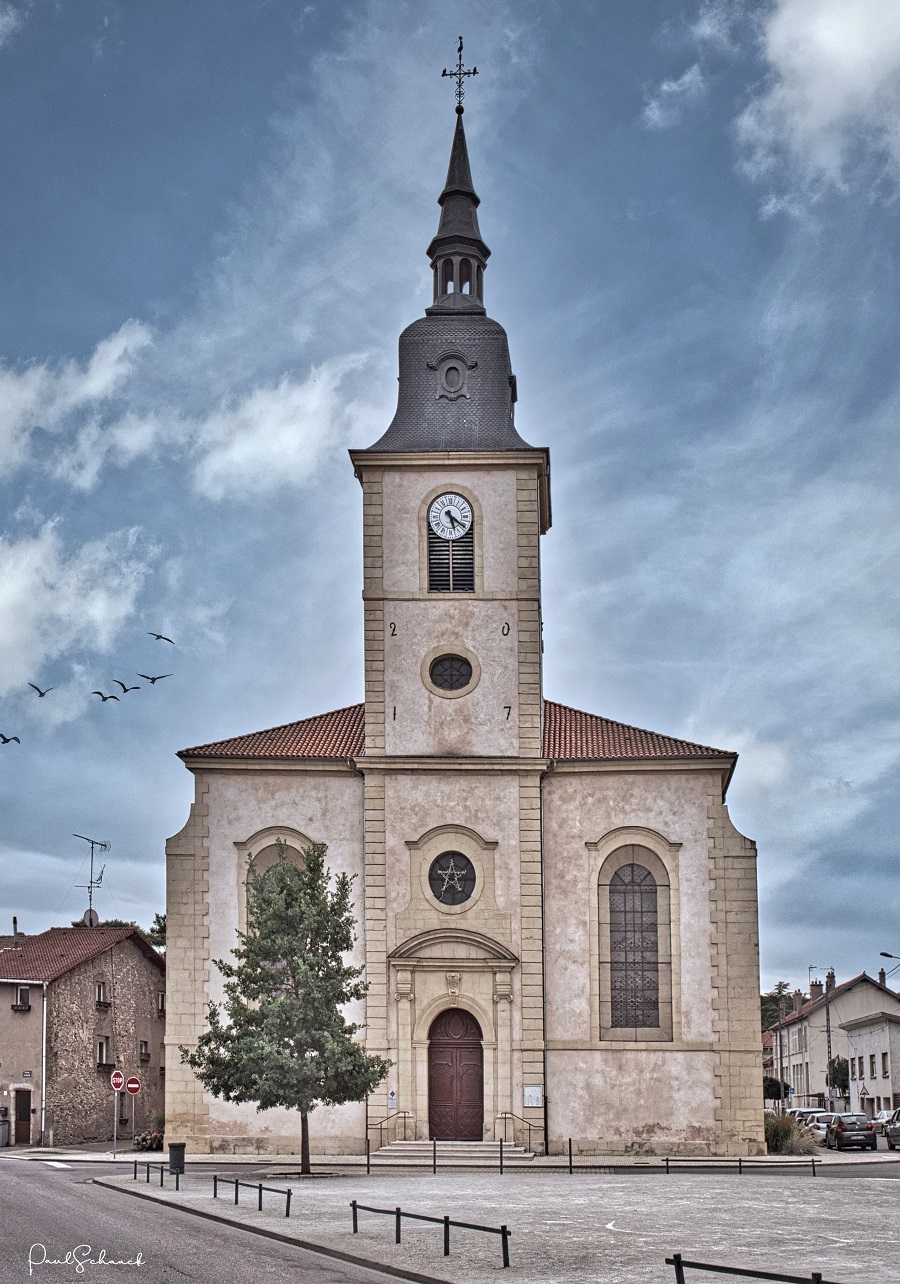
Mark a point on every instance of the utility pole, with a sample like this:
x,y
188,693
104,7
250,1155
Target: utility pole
x,y
813,968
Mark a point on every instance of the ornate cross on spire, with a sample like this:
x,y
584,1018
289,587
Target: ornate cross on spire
x,y
458,75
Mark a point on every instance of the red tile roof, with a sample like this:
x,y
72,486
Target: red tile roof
x,y
568,734
53,953
339,734
812,1005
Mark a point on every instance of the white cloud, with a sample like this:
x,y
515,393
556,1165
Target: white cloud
x,y
11,20
274,436
669,99
833,94
46,396
715,24
52,601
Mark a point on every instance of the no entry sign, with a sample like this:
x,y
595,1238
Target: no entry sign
x,y
133,1085
117,1081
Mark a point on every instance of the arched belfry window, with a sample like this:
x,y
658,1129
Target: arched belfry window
x,y
635,950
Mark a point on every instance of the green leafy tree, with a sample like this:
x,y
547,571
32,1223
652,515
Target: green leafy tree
x,y
775,1089
839,1075
284,1040
156,933
774,1004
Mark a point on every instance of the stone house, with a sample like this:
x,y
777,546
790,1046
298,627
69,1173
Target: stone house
x,y
874,1052
557,918
75,1004
800,1040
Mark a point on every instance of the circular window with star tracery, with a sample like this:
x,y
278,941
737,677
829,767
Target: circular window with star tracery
x,y
452,878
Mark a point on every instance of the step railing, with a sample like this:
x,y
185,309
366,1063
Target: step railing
x,y
507,1116
381,1124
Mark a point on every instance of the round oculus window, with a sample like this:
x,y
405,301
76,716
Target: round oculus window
x,y
452,878
450,672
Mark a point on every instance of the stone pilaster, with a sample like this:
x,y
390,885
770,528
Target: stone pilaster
x,y
373,583
376,928
532,944
529,595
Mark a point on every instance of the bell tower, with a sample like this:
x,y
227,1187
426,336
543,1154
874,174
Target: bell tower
x,y
454,504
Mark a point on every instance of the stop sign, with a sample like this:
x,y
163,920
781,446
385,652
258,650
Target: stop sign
x,y
117,1081
133,1085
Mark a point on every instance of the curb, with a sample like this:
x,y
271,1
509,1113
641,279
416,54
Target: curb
x,y
397,1272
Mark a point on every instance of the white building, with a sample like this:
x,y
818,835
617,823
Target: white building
x,y
800,1050
874,1043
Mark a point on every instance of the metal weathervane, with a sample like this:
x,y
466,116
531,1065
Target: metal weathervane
x,y
459,75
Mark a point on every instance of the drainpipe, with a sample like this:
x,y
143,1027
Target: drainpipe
x,y
544,774
44,1063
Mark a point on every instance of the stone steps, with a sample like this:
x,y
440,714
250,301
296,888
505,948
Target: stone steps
x,y
478,1153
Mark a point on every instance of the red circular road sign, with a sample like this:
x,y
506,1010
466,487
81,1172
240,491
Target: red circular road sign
x,y
133,1085
117,1081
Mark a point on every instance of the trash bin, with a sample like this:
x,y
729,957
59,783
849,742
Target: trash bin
x,y
4,1132
176,1157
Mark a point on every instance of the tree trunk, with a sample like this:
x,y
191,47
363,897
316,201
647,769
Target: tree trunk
x,y
304,1142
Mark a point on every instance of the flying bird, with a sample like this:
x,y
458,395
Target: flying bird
x,y
159,677
8,739
103,697
125,689
39,691
160,637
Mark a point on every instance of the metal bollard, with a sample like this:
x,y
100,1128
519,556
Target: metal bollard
x,y
740,1167
570,1154
287,1204
215,1186
135,1169
237,1190
504,1243
434,1154
355,1218
398,1216
161,1171
446,1235
501,1156
368,1156
260,1196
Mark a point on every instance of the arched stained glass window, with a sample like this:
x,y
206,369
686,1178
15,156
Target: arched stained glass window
x,y
633,948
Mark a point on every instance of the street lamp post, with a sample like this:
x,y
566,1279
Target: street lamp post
x,y
813,968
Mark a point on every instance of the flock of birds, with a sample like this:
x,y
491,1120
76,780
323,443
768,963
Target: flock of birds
x,y
160,637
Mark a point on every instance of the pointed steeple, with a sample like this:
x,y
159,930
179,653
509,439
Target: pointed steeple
x,y
457,252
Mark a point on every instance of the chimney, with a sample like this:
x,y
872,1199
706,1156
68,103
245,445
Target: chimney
x,y
882,976
815,990
797,996
829,981
15,929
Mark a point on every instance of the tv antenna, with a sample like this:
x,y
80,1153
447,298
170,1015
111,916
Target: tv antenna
x,y
91,918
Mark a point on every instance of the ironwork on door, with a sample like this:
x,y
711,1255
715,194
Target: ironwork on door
x,y
455,1078
23,1117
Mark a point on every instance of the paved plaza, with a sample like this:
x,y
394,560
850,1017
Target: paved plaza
x,y
588,1228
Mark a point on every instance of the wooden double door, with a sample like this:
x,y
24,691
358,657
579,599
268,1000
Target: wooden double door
x,y
455,1078
23,1117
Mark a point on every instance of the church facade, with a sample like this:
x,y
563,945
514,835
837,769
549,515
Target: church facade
x,y
557,919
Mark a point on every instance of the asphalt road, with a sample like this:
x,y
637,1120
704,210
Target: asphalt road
x,y
61,1209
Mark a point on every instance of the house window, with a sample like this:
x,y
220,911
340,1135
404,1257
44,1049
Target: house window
x,y
23,999
161,1003
145,1050
862,1072
100,996
871,1065
885,1069
103,1052
853,1067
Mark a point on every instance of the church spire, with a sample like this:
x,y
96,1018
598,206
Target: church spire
x,y
457,252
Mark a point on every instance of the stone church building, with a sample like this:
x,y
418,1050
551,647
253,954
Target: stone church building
x,y
557,918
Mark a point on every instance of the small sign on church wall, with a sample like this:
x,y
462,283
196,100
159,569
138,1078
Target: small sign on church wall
x,y
534,1094
392,1100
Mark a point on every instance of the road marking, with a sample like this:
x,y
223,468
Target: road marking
x,y
55,1163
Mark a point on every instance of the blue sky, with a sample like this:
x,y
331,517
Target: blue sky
x,y
213,225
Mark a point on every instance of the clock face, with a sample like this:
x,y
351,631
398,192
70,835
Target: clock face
x,y
450,516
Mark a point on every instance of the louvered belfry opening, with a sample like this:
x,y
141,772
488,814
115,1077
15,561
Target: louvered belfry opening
x,y
451,563
634,948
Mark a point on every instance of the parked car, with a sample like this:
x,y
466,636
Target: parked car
x,y
880,1119
818,1126
892,1131
850,1130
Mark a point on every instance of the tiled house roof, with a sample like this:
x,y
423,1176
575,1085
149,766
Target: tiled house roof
x,y
568,734
53,953
813,1005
